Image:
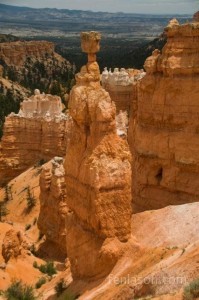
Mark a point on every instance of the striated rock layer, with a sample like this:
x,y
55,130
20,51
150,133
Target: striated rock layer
x,y
15,53
97,174
31,137
164,137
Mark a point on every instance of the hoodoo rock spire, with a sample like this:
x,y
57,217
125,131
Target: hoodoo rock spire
x,y
97,173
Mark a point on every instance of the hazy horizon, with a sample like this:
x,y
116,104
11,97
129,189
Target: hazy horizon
x,y
127,6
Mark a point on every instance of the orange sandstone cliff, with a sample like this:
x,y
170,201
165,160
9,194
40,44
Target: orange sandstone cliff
x,y
16,53
37,132
164,135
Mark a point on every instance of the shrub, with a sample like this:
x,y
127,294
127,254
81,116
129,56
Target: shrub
x,y
191,291
40,236
42,162
34,221
35,265
183,251
48,268
68,296
27,227
3,210
40,282
8,193
33,250
60,287
31,201
19,291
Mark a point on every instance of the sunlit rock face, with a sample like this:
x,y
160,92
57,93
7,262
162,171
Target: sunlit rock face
x,y
97,175
121,84
163,135
41,105
37,132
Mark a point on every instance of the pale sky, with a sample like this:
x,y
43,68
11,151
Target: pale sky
x,y
134,6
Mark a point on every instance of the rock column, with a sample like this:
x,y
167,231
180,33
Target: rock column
x,y
97,175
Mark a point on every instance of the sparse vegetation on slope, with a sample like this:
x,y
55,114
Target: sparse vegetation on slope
x,y
4,38
191,291
40,282
46,71
60,287
19,291
47,268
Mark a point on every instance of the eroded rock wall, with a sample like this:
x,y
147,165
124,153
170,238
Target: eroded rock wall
x,y
27,141
16,53
164,136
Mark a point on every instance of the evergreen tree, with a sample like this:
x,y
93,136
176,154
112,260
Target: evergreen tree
x,y
31,201
55,88
3,210
8,193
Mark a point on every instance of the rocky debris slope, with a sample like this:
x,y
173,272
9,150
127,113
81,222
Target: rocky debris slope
x,y
97,174
35,64
162,259
23,259
53,207
8,87
19,234
15,53
37,133
164,136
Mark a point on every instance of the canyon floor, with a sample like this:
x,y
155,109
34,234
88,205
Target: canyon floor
x,y
161,257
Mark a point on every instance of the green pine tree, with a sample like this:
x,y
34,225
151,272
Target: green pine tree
x,y
8,193
31,201
3,210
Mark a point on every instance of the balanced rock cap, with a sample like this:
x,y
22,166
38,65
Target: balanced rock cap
x,y
90,41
